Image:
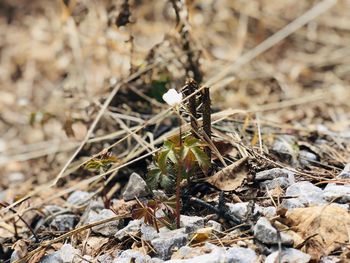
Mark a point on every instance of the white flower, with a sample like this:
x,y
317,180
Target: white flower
x,y
172,97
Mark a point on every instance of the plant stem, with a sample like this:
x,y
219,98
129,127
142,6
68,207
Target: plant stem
x,y
178,176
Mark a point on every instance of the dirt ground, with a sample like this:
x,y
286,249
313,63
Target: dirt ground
x,y
84,79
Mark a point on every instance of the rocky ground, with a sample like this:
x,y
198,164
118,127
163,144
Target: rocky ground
x,y
83,124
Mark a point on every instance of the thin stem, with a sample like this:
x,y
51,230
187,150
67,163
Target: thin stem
x,y
179,170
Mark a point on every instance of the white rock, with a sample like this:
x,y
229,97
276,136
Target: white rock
x,y
339,193
133,256
240,255
214,225
191,223
306,194
79,197
67,253
289,255
64,222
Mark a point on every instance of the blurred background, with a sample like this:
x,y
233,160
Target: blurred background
x,y
59,61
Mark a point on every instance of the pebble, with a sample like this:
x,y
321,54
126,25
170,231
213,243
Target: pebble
x,y
240,210
306,158
132,256
306,194
214,225
64,222
78,198
108,229
337,193
267,234
168,241
136,187
132,228
289,255
273,174
345,174
191,223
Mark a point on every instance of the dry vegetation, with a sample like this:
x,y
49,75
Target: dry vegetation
x,y
79,79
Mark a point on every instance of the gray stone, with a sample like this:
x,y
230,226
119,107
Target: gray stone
x,y
273,174
345,174
307,157
240,210
266,233
330,259
282,182
133,256
108,229
52,258
64,222
339,193
240,255
284,146
105,258
148,232
79,197
132,228
214,254
306,194
191,223
157,260
289,255
168,241
214,225
136,187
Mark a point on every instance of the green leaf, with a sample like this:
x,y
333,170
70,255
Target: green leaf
x,y
201,157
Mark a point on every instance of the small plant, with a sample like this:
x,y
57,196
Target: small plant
x,y
180,157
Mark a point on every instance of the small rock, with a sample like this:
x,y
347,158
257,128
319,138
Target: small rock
x,y
149,232
240,255
67,253
284,147
289,255
267,234
273,174
132,228
208,254
339,193
306,194
191,223
132,256
157,260
168,241
16,177
78,197
281,182
52,209
240,210
136,187
108,229
214,225
105,258
330,259
52,258
64,222
345,174
306,157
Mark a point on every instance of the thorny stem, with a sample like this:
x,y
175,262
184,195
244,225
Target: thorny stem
x,y
206,117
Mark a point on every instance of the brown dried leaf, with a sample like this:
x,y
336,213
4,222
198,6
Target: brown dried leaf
x,y
330,224
37,256
230,177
